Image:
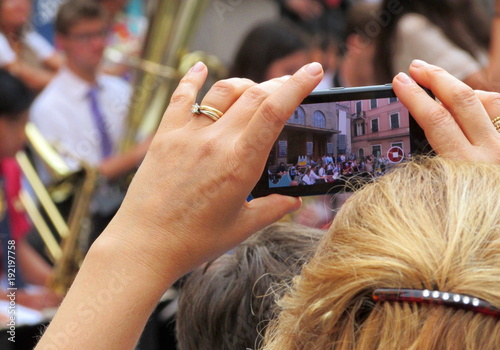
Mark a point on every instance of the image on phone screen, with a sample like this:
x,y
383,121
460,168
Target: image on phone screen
x,y
334,137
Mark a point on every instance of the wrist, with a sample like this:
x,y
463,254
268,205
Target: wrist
x,y
134,255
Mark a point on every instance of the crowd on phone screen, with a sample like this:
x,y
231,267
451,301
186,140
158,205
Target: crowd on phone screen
x,y
328,169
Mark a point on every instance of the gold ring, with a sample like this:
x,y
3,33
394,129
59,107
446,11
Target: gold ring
x,y
496,123
210,112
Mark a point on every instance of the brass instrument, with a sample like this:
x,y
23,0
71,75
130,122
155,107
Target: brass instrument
x,y
165,60
62,235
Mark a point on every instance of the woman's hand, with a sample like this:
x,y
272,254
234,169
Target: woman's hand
x,y
460,126
187,203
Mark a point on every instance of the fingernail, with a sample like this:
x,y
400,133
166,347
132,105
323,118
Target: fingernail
x,y
404,78
286,77
419,63
314,68
198,67
296,202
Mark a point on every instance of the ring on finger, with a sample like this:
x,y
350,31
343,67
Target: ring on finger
x,y
211,112
496,123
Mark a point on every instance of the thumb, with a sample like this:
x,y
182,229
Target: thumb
x,y
261,212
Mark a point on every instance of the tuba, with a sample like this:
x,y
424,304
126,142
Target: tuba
x,y
164,60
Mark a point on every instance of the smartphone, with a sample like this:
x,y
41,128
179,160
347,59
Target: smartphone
x,y
341,135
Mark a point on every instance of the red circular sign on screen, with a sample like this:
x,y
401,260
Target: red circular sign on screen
x,y
395,154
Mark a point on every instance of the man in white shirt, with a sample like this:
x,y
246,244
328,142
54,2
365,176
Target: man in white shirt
x,y
313,176
81,112
322,170
310,176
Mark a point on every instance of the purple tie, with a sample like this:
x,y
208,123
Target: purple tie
x,y
106,145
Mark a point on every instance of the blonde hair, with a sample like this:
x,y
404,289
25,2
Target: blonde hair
x,y
428,225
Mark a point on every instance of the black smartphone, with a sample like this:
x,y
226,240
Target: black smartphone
x,y
340,135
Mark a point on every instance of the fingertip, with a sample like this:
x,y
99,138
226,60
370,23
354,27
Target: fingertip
x,y
313,69
195,75
288,204
198,72
273,207
197,67
404,78
418,64
295,203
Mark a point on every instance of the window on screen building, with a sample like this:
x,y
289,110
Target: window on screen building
x,y
397,144
359,107
298,117
319,120
394,120
360,129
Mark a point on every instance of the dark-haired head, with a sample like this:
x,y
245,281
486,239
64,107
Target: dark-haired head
x,y
265,44
15,96
15,101
228,303
72,12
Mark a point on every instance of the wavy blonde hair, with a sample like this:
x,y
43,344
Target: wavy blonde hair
x,y
428,225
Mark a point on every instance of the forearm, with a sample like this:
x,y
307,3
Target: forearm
x,y
109,302
35,78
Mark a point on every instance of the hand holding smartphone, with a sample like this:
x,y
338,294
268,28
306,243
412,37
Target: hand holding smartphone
x,y
338,135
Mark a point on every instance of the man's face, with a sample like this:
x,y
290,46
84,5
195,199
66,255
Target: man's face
x,y
12,135
85,43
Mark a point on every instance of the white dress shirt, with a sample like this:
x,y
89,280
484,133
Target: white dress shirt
x,y
63,114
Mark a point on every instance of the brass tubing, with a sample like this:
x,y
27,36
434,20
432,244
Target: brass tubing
x,y
171,27
66,268
42,194
53,248
55,163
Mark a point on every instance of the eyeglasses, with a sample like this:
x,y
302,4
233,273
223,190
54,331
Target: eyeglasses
x,y
88,37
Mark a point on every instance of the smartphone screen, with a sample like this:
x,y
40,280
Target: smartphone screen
x,y
339,135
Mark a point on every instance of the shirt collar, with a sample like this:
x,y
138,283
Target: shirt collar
x,y
79,87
